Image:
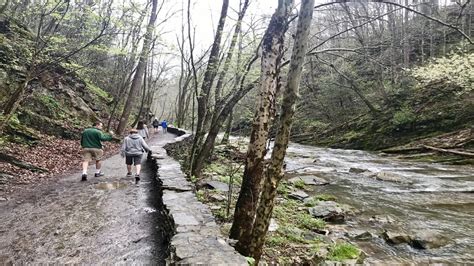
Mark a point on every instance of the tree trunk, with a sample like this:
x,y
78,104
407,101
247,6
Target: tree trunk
x,y
12,104
137,78
274,173
203,152
209,75
225,139
272,49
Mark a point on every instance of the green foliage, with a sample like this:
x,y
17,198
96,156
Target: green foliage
x,y
456,69
300,184
98,91
250,260
343,251
404,116
200,195
306,220
283,188
352,135
325,197
313,201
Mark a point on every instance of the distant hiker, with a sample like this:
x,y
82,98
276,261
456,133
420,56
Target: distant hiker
x,y
132,149
92,148
143,130
156,124
164,125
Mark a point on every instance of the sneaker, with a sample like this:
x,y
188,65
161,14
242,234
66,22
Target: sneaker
x,y
129,174
137,178
84,177
98,174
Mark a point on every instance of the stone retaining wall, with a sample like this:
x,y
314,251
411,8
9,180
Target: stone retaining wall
x,y
197,239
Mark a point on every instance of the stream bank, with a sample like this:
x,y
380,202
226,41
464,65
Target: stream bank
x,y
353,206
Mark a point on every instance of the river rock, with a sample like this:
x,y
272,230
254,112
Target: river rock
x,y
357,170
382,218
428,240
396,237
217,197
329,211
392,177
360,235
309,180
212,184
298,195
273,225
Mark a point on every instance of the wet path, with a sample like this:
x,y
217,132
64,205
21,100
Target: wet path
x,y
104,220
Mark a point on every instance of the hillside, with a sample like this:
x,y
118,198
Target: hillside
x,y
437,110
57,106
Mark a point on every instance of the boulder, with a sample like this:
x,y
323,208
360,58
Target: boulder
x,y
329,211
395,237
429,240
310,180
298,195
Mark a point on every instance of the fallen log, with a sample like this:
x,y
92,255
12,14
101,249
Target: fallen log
x,y
463,153
12,160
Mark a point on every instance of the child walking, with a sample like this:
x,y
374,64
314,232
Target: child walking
x,y
132,148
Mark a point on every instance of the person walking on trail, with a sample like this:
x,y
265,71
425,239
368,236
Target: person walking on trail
x,y
164,125
156,124
132,149
91,143
143,130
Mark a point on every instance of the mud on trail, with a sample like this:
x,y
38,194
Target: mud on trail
x,y
107,219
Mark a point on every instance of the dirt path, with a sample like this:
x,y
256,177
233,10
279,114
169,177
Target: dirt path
x,y
104,220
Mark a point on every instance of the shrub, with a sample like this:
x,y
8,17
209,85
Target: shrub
x,y
403,117
343,251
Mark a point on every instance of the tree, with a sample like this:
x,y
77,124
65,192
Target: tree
x,y
218,116
204,94
272,48
48,30
274,173
137,78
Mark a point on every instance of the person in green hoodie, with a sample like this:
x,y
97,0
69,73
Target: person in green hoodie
x,y
91,143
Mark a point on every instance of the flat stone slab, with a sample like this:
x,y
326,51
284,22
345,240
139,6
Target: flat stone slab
x,y
198,239
182,218
217,185
298,195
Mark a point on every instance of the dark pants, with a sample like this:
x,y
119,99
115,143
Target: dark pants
x,y
133,159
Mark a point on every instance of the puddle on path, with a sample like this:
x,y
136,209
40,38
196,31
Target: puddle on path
x,y
112,185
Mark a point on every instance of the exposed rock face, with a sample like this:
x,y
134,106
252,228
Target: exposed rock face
x,y
329,211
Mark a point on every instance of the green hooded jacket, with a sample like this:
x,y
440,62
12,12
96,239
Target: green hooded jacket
x,y
92,137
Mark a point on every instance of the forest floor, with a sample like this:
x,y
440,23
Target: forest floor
x,y
107,219
51,158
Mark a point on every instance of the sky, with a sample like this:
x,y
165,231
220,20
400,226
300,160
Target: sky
x,y
205,15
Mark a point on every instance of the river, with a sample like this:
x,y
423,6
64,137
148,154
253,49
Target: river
x,y
428,197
